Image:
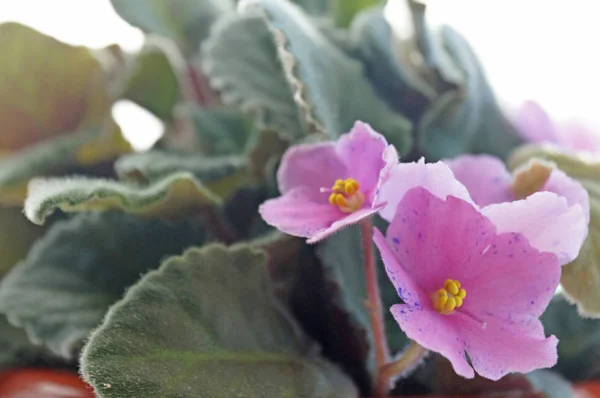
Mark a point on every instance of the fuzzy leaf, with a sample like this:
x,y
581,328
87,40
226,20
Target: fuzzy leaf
x,y
40,103
579,348
329,87
53,157
581,278
17,234
342,259
206,324
15,347
187,22
171,196
81,267
152,81
240,59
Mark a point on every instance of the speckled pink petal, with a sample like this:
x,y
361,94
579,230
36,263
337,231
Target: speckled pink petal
x,y
546,220
437,178
485,177
437,239
435,332
362,151
296,213
512,284
312,165
563,185
534,124
497,350
346,221
408,290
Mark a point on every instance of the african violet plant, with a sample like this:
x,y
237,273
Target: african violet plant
x,y
330,203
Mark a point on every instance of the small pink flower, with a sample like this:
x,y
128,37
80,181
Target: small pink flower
x,y
328,186
536,126
474,279
554,221
468,288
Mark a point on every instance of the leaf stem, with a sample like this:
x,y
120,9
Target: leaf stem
x,y
413,354
375,307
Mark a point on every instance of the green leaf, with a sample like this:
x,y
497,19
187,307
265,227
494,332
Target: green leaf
x,y
240,59
54,157
61,292
187,22
206,323
316,7
342,259
152,80
345,10
329,87
580,279
172,196
579,347
17,235
15,347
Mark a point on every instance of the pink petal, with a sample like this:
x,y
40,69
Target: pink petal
x,y
535,125
437,239
546,220
496,350
484,176
312,165
296,213
362,151
513,284
435,332
563,185
408,290
437,178
346,221
580,138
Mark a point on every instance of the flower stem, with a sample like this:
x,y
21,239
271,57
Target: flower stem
x,y
375,307
413,354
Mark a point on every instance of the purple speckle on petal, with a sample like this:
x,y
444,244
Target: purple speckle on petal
x,y
419,235
396,240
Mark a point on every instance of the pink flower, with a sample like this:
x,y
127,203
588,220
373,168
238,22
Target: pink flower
x,y
536,126
554,220
473,279
328,186
495,286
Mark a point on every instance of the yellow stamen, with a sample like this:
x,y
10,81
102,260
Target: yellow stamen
x,y
346,195
448,298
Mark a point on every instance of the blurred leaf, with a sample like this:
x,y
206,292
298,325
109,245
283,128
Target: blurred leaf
x,y
17,234
168,337
38,103
152,81
187,22
581,278
81,267
171,197
342,259
579,347
316,7
550,383
56,156
345,10
329,87
240,59
372,42
266,147
15,347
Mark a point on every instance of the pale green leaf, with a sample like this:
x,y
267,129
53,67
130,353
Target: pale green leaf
x,y
345,10
187,22
171,197
580,279
62,290
206,324
240,59
329,87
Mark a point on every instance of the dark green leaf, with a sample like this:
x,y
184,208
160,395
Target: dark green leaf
x,y
329,87
15,347
187,22
205,324
81,267
17,234
241,62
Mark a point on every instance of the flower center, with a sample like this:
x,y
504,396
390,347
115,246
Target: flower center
x,y
451,296
346,195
